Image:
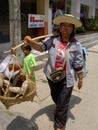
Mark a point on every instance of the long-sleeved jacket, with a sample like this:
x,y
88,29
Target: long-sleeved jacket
x,y
74,62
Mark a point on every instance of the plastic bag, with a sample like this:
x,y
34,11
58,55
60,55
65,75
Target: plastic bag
x,y
4,66
85,67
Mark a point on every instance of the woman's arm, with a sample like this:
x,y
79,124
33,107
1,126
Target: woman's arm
x,y
78,65
80,80
35,45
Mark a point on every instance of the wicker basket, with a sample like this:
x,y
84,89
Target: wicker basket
x,y
9,101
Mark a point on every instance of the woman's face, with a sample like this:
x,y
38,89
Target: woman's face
x,y
66,29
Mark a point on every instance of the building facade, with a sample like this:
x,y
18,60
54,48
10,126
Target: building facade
x,y
14,16
14,19
88,8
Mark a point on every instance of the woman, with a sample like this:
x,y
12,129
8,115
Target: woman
x,y
57,47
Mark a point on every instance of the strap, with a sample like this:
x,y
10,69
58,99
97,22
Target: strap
x,y
66,56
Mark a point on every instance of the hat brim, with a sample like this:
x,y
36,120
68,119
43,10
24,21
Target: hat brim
x,y
68,19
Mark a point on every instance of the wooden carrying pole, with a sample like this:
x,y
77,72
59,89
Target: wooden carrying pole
x,y
36,38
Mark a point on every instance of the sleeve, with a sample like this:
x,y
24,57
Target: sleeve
x,y
46,43
78,62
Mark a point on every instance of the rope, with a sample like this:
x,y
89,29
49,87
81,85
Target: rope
x,y
15,62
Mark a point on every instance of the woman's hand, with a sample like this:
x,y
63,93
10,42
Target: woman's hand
x,y
27,39
34,44
80,80
80,83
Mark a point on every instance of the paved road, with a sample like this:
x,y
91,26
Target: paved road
x,y
83,105
83,109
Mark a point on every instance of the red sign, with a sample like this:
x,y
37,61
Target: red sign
x,y
35,21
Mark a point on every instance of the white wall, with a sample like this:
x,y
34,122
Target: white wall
x,y
49,20
75,8
96,4
76,5
91,4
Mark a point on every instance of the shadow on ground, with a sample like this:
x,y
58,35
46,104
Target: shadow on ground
x,y
49,109
75,100
21,123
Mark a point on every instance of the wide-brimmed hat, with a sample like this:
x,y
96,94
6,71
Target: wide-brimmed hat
x,y
68,18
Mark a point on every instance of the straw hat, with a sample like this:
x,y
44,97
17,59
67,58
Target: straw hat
x,y
68,18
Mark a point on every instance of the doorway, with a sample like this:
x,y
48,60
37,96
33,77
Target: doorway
x,y
4,21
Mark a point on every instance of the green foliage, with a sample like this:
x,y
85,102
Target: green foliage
x,y
91,24
81,30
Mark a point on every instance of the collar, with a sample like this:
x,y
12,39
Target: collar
x,y
72,39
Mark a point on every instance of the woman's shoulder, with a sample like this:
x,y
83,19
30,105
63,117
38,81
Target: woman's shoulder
x,y
74,41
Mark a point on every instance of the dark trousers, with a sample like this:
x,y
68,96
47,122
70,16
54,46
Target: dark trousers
x,y
61,96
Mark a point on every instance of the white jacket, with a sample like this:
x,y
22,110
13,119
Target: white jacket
x,y
74,62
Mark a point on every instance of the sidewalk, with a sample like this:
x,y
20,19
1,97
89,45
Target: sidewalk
x,y
83,113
